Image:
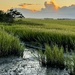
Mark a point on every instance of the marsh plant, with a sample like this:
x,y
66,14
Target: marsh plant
x,y
72,69
9,45
53,56
58,34
51,32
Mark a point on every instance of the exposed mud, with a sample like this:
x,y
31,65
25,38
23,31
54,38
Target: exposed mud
x,y
28,65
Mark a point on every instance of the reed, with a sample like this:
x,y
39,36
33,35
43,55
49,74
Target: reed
x,y
60,32
53,57
9,45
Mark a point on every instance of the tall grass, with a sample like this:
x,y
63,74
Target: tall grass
x,y
51,32
72,68
9,45
20,22
60,32
53,57
67,40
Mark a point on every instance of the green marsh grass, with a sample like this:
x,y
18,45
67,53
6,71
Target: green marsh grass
x,y
9,45
54,56
60,32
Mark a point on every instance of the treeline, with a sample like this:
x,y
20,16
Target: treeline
x,y
9,16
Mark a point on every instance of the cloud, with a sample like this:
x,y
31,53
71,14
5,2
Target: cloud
x,y
26,5
31,7
50,7
53,3
51,10
67,11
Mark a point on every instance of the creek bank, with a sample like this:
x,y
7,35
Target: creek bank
x,y
28,65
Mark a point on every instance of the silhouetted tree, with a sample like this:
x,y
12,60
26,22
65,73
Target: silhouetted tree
x,y
15,13
1,15
9,16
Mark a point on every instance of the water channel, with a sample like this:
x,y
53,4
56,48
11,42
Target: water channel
x,y
27,65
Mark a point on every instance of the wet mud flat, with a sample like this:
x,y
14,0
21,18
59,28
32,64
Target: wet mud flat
x,y
28,65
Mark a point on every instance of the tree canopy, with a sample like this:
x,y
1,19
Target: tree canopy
x,y
9,16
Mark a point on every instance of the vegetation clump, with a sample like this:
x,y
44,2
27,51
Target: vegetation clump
x,y
60,32
53,57
70,62
9,45
9,16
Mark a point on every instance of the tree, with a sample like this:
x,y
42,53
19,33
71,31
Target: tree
x,y
1,15
15,13
9,16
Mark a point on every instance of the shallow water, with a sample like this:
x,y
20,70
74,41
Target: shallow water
x,y
28,65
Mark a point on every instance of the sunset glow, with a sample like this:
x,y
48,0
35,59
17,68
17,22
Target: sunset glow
x,y
37,7
33,4
54,3
32,7
33,10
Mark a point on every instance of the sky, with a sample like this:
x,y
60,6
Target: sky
x,y
34,5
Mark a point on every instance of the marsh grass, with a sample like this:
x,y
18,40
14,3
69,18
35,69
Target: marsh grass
x,y
52,32
23,22
60,32
42,37
72,70
53,57
9,45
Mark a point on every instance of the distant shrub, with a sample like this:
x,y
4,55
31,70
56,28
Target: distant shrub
x,y
21,22
9,16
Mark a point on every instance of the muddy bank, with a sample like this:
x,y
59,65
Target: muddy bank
x,y
28,65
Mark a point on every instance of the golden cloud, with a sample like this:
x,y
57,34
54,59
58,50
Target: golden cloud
x,y
53,3
24,5
32,7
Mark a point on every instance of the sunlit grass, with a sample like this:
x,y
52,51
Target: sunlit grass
x,y
60,32
53,57
9,45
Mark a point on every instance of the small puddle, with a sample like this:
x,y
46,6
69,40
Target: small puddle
x,y
28,65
